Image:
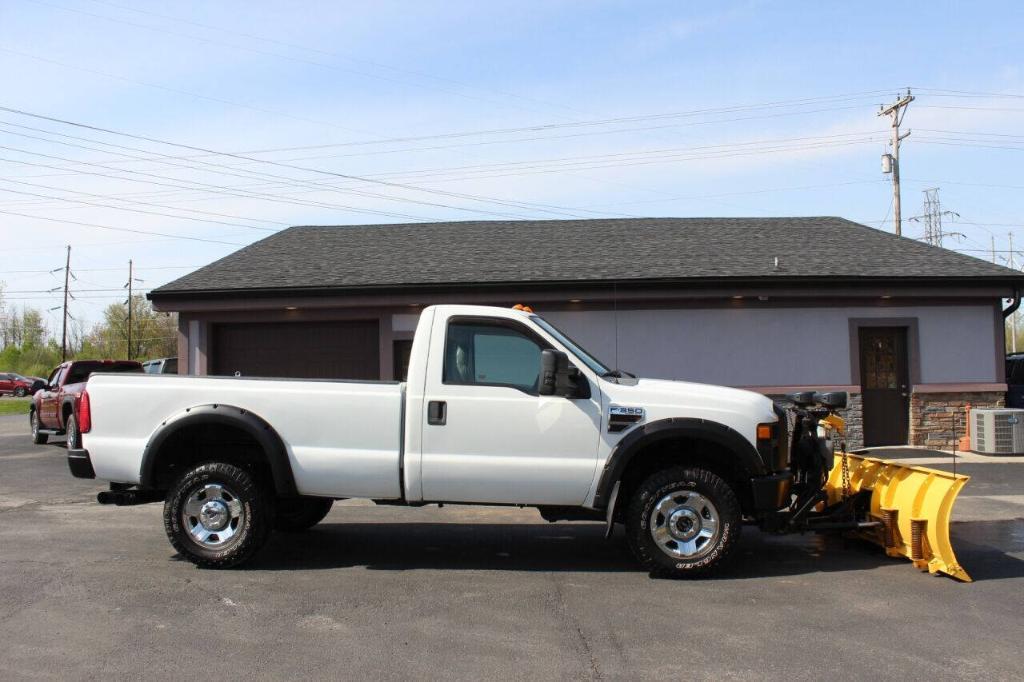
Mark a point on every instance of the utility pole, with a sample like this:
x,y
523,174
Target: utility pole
x,y
891,162
129,309
993,238
64,331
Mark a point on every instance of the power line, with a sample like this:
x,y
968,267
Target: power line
x,y
155,267
307,48
283,165
253,50
198,186
970,93
125,170
678,154
133,210
119,229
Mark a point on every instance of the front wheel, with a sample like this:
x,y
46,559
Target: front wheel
x,y
37,437
683,522
217,515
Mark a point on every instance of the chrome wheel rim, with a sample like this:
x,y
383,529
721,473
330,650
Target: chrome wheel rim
x,y
72,436
685,525
35,424
213,515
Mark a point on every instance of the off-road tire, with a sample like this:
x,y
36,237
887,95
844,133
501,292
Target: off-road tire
x,y
37,437
255,524
71,430
682,479
296,514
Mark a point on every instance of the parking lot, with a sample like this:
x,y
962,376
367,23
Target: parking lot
x,y
88,591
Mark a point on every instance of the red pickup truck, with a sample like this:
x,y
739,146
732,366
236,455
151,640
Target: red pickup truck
x,y
54,408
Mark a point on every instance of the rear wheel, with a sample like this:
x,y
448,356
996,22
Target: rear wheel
x,y
296,514
217,515
37,437
20,392
683,522
71,430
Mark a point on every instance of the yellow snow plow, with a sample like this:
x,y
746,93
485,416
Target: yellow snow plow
x,y
914,505
904,508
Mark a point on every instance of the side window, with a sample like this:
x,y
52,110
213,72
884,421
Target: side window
x,y
52,381
491,354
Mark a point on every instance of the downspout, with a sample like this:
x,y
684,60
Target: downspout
x,y
1013,306
1010,310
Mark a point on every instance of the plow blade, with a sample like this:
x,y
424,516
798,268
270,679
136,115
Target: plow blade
x,y
914,505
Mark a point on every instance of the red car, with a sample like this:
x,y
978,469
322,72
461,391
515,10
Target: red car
x,y
54,408
15,384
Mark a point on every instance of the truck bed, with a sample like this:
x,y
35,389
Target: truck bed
x,y
344,438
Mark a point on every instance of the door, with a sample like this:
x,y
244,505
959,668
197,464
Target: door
x,y
6,384
488,436
884,384
311,350
48,401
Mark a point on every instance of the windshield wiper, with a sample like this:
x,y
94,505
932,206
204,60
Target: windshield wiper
x,y
617,374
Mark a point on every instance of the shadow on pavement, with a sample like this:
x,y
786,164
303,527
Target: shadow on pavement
x,y
580,547
982,548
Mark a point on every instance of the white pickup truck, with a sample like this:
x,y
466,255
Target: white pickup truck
x,y
500,408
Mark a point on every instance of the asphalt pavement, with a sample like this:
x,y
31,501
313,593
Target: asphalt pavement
x,y
474,593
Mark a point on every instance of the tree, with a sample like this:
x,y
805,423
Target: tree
x,y
154,335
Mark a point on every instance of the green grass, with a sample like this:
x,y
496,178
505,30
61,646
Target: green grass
x,y
14,405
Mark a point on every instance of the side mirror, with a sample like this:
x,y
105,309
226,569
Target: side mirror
x,y
558,377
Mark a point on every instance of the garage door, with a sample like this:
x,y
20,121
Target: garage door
x,y
314,350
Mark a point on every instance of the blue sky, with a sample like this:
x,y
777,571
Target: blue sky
x,y
605,108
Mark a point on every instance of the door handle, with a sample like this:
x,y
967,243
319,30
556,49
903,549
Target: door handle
x,y
437,412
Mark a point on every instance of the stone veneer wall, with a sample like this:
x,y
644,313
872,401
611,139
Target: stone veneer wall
x,y
935,417
854,416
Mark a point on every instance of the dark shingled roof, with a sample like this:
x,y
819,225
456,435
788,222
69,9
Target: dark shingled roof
x,y
627,250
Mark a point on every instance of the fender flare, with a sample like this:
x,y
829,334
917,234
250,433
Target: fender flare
x,y
228,415
67,402
634,441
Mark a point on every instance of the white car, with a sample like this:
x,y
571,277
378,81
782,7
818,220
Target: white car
x,y
500,408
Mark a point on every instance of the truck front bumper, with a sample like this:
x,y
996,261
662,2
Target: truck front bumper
x,y
771,492
80,463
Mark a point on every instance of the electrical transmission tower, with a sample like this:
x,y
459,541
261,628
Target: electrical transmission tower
x,y
934,232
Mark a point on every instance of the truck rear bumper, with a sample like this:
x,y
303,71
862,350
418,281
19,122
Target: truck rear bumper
x,y
771,492
80,463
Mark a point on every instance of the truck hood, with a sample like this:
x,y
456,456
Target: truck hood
x,y
661,399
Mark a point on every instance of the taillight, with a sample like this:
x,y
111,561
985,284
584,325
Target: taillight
x,y
84,414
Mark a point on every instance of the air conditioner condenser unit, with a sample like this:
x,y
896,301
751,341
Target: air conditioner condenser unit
x,y
997,431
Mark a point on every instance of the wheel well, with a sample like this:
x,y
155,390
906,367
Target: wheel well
x,y
683,451
66,410
194,444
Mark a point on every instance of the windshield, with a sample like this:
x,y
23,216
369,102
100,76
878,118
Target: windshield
x,y
589,360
